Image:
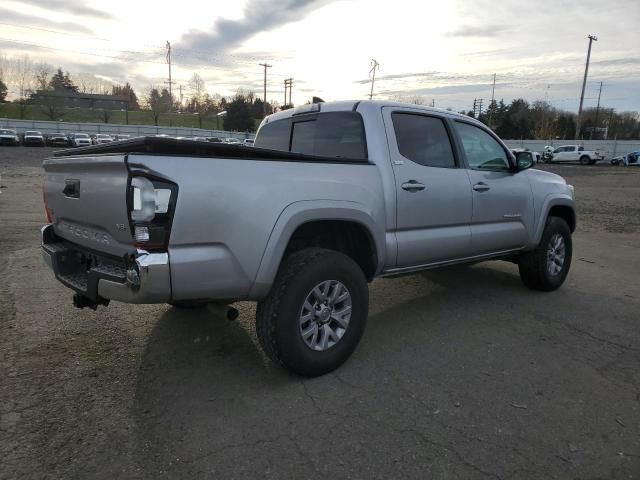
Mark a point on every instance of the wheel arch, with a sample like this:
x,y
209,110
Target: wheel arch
x,y
304,219
558,206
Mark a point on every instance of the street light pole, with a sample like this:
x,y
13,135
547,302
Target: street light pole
x,y
584,84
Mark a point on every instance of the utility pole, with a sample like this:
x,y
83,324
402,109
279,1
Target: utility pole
x,y
597,111
493,90
584,84
180,97
491,105
170,82
288,83
264,98
611,112
477,107
372,73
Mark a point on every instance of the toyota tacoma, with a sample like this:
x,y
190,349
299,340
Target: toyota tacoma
x,y
332,196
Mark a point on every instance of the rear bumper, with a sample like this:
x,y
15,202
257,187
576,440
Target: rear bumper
x,y
145,278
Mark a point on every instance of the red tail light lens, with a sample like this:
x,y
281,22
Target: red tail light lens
x,y
151,206
47,212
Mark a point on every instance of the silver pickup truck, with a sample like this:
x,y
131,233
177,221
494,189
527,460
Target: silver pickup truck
x,y
332,196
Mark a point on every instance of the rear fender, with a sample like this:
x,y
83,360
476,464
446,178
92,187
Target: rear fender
x,y
302,212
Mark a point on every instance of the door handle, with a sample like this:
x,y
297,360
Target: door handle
x,y
412,186
481,187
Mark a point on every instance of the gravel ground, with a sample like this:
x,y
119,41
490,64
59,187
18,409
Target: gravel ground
x,y
462,373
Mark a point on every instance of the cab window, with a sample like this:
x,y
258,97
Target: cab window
x,y
483,152
423,140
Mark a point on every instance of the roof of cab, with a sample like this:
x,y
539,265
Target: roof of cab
x,y
360,105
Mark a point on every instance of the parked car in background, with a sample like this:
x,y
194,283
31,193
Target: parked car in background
x,y
232,141
630,159
535,155
58,140
33,138
121,136
248,142
214,139
103,138
81,140
199,139
9,137
575,153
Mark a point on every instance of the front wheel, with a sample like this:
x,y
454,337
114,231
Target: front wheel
x,y
546,267
314,316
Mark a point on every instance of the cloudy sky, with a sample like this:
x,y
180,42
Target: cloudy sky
x,y
444,51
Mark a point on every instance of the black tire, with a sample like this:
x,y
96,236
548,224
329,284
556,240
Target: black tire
x,y
278,315
584,160
533,265
188,304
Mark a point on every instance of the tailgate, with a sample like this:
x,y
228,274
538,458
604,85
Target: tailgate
x,y
87,200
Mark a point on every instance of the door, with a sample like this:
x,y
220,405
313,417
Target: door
x,y
502,200
433,192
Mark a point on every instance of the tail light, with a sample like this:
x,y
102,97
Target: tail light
x,y
151,205
46,207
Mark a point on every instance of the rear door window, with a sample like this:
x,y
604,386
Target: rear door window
x,y
423,140
330,134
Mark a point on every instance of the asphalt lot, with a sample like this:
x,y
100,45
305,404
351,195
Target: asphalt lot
x,y
461,374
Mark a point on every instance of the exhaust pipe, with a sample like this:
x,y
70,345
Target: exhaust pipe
x,y
225,311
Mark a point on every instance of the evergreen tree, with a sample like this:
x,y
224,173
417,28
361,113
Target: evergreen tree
x,y
61,82
3,91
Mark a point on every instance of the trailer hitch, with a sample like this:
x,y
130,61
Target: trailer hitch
x,y
81,301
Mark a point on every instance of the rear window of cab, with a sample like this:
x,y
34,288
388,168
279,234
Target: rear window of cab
x,y
329,134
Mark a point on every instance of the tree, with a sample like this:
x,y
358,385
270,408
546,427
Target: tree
x,y
42,70
3,91
106,115
158,102
198,93
62,82
239,115
52,107
126,91
23,104
24,74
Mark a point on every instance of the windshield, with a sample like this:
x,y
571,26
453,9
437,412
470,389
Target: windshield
x,y
82,135
32,133
7,132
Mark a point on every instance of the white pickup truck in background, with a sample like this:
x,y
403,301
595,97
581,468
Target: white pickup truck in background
x,y
575,153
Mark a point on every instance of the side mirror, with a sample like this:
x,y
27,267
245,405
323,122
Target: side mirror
x,y
524,160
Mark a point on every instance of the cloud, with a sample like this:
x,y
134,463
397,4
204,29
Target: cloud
x,y
9,16
77,7
618,61
399,76
259,16
488,31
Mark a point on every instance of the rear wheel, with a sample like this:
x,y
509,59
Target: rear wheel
x,y
584,160
315,313
546,267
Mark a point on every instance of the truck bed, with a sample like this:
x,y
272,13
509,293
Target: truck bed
x,y
174,146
